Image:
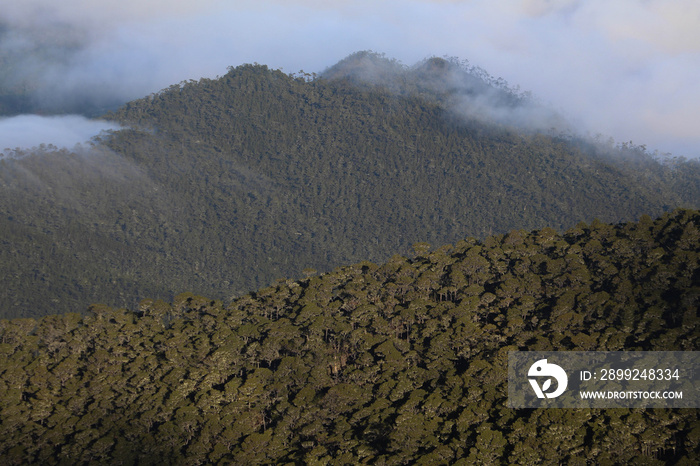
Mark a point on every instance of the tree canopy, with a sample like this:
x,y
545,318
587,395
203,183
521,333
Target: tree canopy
x,y
401,362
222,186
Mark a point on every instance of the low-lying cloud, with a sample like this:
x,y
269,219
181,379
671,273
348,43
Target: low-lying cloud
x,y
626,68
466,91
65,131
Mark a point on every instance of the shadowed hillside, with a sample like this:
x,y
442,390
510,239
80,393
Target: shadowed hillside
x,y
224,185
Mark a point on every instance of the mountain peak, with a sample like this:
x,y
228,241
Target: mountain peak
x,y
435,65
366,67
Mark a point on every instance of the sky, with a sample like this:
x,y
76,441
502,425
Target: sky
x,y
628,69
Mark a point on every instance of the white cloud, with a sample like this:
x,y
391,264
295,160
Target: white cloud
x,y
625,68
27,131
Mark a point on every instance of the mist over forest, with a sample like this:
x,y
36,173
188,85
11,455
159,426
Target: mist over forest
x,y
624,69
318,267
221,186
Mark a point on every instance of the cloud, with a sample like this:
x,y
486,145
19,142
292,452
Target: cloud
x,y
28,131
625,68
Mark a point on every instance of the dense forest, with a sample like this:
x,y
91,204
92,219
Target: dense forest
x,y
402,362
221,186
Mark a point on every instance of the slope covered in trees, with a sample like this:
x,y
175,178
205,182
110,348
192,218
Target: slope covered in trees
x,y
222,186
385,364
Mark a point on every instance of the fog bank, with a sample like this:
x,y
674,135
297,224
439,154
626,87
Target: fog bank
x,y
65,131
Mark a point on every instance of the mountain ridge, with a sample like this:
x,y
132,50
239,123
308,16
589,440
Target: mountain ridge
x,y
258,175
398,362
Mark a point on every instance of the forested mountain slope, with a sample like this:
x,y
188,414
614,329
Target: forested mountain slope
x,y
381,364
222,186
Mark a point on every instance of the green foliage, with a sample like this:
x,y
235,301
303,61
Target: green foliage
x,y
405,362
223,185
